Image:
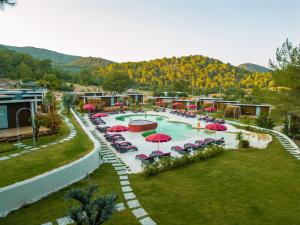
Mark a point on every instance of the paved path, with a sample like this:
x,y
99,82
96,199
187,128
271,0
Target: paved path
x,y
29,148
285,141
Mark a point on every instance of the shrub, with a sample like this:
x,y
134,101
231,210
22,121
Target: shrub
x,y
263,120
244,144
176,162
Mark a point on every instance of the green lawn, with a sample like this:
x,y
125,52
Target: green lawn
x,y
46,159
54,206
253,187
10,148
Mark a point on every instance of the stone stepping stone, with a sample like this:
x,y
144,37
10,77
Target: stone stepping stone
x,y
33,149
126,189
129,196
140,212
28,147
15,155
44,146
49,223
117,164
133,204
147,221
120,207
18,144
123,177
124,182
122,172
112,161
64,221
4,158
120,168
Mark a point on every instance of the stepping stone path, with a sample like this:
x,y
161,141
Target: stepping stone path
x,y
29,148
109,156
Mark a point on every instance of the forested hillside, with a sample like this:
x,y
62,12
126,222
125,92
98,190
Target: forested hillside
x,y
65,61
19,66
254,68
188,73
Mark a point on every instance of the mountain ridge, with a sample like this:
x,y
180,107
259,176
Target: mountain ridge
x,y
251,67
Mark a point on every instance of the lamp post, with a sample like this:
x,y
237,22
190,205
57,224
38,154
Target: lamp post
x,y
31,109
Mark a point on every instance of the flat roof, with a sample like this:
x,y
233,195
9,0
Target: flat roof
x,y
18,101
244,104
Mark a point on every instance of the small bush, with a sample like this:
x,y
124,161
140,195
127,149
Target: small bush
x,y
244,144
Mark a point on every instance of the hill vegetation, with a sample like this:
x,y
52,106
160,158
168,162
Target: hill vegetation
x,y
254,68
65,61
189,74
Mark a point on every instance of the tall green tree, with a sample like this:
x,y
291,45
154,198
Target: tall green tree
x,y
3,3
68,100
92,210
116,81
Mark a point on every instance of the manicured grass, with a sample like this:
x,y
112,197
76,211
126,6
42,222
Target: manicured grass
x,y
10,148
250,187
54,206
43,160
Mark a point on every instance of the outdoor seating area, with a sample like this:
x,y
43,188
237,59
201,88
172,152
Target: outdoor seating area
x,y
184,113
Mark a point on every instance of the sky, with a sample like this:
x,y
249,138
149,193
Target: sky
x,y
234,31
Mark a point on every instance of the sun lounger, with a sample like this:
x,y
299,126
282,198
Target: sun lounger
x,y
190,146
127,149
144,158
180,150
160,154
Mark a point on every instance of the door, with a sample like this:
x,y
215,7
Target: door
x,y
257,113
3,117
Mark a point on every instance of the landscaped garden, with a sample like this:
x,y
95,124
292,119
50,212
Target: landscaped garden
x,y
54,206
251,186
46,159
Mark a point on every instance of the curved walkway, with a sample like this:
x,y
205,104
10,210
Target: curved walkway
x,y
108,156
29,148
286,142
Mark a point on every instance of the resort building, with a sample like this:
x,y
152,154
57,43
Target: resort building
x,y
237,110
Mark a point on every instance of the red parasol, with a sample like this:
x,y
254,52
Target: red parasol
x,y
216,127
118,128
158,137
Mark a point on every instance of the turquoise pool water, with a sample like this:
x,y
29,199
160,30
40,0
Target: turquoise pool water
x,y
178,131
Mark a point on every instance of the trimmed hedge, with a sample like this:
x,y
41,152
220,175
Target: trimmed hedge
x,y
169,163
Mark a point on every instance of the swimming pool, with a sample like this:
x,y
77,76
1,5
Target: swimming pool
x,y
178,130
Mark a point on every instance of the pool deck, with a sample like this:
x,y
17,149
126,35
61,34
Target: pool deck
x,y
147,147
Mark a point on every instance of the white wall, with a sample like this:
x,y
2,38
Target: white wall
x,y
14,196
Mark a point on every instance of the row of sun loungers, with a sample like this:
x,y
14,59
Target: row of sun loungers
x,y
199,144
211,120
184,114
118,142
154,155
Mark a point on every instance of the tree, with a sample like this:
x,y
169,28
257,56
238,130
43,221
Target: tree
x,y
116,81
263,120
3,3
92,210
69,100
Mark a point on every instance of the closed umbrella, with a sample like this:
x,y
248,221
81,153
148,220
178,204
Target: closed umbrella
x,y
191,106
210,109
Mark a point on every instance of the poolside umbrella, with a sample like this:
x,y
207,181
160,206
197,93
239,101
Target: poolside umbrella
x,y
119,104
177,104
210,109
191,106
118,128
158,137
89,107
98,115
216,127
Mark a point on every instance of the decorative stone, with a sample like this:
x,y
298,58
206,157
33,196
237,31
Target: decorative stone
x,y
4,158
122,172
147,221
129,195
123,177
119,168
124,182
64,221
140,212
15,155
133,204
126,188
120,206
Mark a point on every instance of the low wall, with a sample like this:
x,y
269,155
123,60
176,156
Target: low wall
x,y
16,195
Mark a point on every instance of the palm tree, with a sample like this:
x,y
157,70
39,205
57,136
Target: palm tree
x,y
3,3
93,210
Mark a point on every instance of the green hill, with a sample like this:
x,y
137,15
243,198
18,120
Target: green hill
x,y
69,62
254,68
